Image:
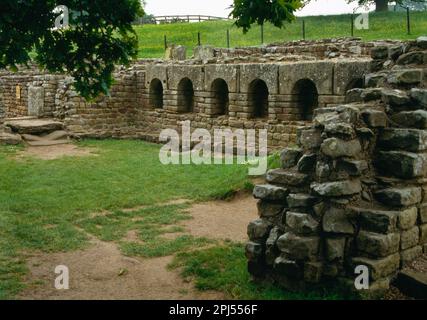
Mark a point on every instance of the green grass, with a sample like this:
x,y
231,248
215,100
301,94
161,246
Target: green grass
x,y
224,268
43,204
390,25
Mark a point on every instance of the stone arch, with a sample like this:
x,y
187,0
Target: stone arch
x,y
307,98
156,93
258,98
185,96
354,83
220,97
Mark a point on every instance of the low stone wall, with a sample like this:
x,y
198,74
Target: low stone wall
x,y
353,192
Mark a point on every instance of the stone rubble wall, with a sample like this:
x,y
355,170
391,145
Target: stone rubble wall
x,y
354,190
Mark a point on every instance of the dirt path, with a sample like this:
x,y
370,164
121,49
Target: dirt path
x,y
95,272
56,152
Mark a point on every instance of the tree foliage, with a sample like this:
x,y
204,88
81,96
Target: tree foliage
x,y
99,35
248,12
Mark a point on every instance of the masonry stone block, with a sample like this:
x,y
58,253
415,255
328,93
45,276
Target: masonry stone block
x,y
266,72
377,245
229,73
320,72
178,72
346,72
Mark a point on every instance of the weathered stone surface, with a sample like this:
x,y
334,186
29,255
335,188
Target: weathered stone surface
x,y
414,57
422,42
409,255
307,163
271,251
270,192
423,213
339,128
377,220
405,77
407,218
395,51
298,200
34,126
335,248
353,167
268,209
299,248
335,148
35,101
337,188
379,268
336,220
301,223
287,267
174,52
290,156
10,138
403,139
423,233
413,119
399,196
401,164
379,52
377,245
286,177
313,272
374,118
258,229
395,98
204,53
419,96
253,251
371,94
310,138
409,238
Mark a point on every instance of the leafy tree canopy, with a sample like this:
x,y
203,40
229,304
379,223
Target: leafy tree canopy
x,y
382,5
248,12
99,35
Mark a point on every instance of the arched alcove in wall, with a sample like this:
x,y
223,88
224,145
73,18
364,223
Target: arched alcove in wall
x,y
307,98
258,98
220,97
185,96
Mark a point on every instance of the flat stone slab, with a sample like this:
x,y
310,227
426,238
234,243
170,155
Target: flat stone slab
x,y
412,283
34,126
46,143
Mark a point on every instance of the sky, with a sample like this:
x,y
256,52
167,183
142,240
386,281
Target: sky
x,y
220,7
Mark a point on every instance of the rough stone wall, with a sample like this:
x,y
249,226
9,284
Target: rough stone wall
x,y
113,116
354,191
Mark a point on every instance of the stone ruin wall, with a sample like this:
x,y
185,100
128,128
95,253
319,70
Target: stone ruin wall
x,y
331,65
354,190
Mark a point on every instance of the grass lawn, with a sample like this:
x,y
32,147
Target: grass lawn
x,y
43,202
53,206
389,25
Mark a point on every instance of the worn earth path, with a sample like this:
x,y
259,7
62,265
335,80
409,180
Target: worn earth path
x,y
95,273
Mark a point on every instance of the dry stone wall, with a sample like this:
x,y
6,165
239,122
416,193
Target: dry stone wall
x,y
353,191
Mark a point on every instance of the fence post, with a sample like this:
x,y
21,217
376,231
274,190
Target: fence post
x,y
408,20
262,34
228,39
303,29
166,42
352,24
199,42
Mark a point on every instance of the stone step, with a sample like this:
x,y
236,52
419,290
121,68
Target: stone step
x,y
56,135
412,283
34,126
46,143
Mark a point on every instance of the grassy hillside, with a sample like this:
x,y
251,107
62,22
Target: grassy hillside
x,y
391,25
